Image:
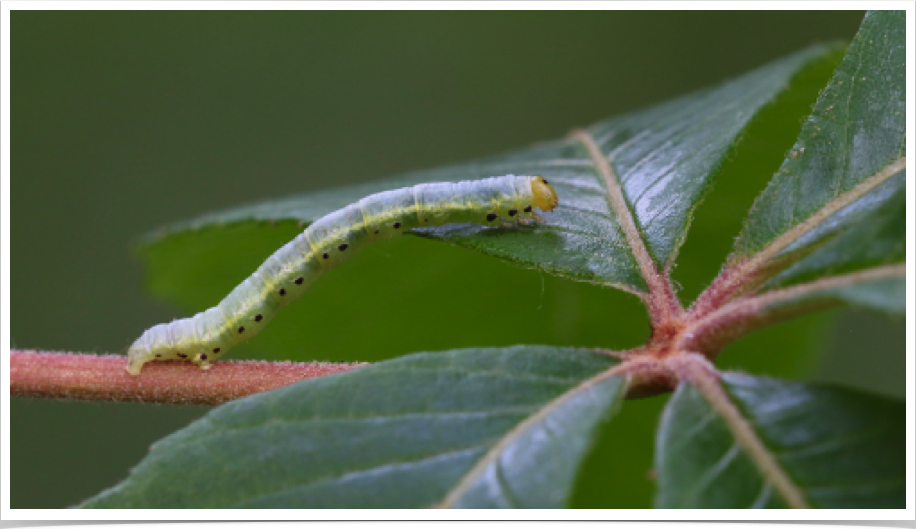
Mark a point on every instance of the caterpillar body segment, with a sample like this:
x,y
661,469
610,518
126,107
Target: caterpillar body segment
x,y
328,242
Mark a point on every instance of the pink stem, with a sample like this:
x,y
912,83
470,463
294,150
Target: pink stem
x,y
102,377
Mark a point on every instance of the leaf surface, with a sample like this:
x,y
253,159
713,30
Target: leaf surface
x,y
846,169
464,428
864,265
841,448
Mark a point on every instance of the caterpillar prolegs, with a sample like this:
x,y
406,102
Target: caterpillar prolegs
x,y
325,244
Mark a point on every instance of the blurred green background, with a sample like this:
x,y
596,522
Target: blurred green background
x,y
123,122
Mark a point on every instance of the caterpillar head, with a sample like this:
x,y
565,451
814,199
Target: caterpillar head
x,y
545,198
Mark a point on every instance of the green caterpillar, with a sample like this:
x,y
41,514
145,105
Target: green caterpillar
x,y
325,244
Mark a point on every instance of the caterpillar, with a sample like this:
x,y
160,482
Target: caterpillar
x,y
328,242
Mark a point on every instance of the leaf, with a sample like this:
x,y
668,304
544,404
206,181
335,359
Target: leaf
x,y
471,428
664,157
868,240
864,265
847,162
840,448
887,295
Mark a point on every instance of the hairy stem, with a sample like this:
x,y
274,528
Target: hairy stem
x,y
713,331
102,377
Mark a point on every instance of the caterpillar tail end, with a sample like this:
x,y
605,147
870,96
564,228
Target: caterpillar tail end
x,y
135,360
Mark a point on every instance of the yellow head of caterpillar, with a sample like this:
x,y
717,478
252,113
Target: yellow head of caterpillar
x,y
544,195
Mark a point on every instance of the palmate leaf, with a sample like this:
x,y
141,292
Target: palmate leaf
x,y
840,448
466,428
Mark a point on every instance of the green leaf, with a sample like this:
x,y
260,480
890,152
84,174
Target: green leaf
x,y
870,240
664,157
864,265
888,295
465,428
840,448
848,158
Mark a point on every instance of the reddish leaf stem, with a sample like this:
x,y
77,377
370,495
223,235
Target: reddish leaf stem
x,y
102,377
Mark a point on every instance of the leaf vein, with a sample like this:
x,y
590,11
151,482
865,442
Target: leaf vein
x,y
368,470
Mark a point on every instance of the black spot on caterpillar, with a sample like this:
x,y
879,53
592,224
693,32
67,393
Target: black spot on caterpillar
x,y
328,242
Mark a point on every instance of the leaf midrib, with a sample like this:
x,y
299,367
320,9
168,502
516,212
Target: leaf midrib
x,y
493,454
768,252
356,472
701,376
617,202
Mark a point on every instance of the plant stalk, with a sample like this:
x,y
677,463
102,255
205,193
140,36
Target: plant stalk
x,y
103,378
